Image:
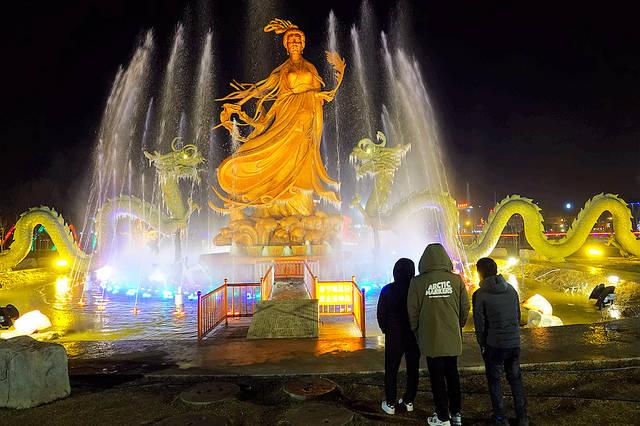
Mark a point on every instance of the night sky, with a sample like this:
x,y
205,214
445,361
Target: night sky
x,y
539,99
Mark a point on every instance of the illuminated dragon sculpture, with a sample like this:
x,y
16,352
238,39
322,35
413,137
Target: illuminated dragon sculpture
x,y
181,163
557,250
381,163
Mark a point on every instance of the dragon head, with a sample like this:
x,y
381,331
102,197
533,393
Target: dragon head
x,y
181,163
371,158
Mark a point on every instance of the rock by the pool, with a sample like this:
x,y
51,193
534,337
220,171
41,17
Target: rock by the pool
x,y
32,372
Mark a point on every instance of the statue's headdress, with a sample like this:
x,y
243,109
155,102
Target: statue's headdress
x,y
281,26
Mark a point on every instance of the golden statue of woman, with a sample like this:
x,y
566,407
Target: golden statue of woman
x,y
278,167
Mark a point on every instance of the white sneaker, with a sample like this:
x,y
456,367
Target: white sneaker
x,y
435,421
408,405
389,409
456,419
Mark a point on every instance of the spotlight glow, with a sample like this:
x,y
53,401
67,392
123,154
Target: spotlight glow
x,y
62,263
594,251
511,279
62,285
613,279
158,277
512,261
28,324
539,304
104,273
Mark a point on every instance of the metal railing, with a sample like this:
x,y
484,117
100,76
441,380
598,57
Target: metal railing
x,y
289,269
310,280
212,310
239,299
342,298
266,283
359,310
230,300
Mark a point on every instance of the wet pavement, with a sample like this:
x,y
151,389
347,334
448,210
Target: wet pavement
x,y
597,343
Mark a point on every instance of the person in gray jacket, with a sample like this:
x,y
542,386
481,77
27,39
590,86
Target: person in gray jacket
x,y
496,316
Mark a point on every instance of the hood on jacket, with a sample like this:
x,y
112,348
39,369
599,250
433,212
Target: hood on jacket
x,y
435,258
404,270
494,284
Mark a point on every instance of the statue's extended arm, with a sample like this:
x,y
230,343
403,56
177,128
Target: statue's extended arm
x,y
338,65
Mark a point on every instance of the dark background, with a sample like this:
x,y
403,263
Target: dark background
x,y
538,99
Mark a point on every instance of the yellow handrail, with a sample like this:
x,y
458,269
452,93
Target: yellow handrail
x,y
342,298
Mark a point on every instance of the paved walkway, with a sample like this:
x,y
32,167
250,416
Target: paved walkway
x,y
231,355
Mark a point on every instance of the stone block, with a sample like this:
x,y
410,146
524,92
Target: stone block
x,y
285,319
32,372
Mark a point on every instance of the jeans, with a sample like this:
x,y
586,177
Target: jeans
x,y
393,354
445,385
497,361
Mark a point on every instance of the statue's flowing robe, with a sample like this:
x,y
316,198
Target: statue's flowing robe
x,y
279,166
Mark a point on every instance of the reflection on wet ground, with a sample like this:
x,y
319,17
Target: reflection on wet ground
x,y
91,313
609,342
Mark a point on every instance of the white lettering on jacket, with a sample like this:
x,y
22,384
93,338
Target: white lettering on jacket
x,y
439,289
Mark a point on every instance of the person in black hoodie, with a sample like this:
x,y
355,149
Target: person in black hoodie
x,y
496,316
399,339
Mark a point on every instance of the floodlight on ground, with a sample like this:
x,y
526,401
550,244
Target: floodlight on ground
x,y
592,251
62,263
62,285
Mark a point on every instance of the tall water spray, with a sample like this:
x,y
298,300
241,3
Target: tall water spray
x,y
391,95
333,127
203,115
261,53
118,128
172,100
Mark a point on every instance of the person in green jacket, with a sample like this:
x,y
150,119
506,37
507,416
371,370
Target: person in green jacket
x,y
438,307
